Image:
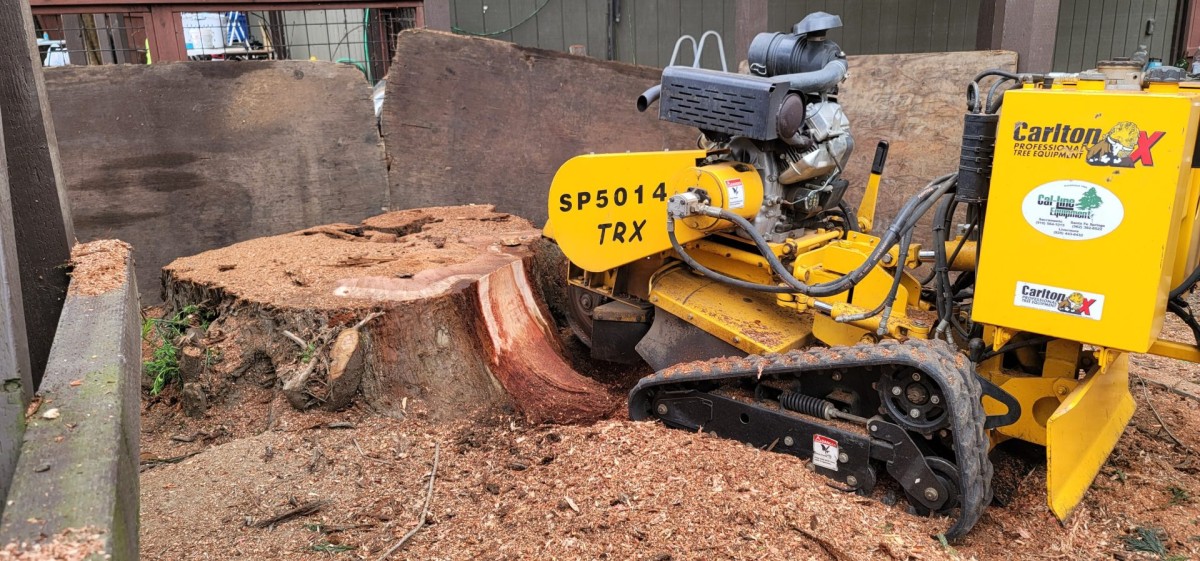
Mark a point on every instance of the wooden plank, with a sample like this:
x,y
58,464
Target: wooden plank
x,y
73,35
1120,32
691,21
162,145
626,34
550,26
970,25
41,216
16,385
123,51
1091,44
516,114
751,18
1062,48
597,28
645,26
525,32
668,34
1107,41
905,26
86,476
574,24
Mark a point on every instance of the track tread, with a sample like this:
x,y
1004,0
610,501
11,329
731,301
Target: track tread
x,y
952,369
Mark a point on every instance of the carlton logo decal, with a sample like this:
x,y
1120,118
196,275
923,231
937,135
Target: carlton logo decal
x,y
1122,146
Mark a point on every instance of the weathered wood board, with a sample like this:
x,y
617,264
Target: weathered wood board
x,y
916,102
181,158
77,475
42,222
470,120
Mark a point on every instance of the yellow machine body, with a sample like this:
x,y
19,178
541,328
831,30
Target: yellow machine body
x,y
1083,179
606,210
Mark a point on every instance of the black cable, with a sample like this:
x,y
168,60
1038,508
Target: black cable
x,y
850,216
1187,284
890,299
1186,315
683,254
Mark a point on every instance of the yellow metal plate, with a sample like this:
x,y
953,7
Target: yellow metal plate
x,y
750,321
1081,180
611,209
1082,432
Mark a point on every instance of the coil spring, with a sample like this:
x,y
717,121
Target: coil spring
x,y
806,404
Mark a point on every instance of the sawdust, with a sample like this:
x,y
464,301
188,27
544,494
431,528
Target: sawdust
x,y
68,545
98,266
301,270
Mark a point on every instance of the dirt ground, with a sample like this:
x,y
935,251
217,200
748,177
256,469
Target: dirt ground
x,y
614,490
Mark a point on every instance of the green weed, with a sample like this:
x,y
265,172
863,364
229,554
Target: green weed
x,y
1146,540
326,547
1179,495
163,365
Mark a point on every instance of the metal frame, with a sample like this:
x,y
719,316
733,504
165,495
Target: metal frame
x,y
164,28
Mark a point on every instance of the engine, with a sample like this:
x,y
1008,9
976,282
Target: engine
x,y
783,119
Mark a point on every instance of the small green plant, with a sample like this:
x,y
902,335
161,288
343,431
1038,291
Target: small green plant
x,y
946,545
1179,495
308,353
1146,540
163,365
326,547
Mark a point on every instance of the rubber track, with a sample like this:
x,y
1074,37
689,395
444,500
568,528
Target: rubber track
x,y
951,369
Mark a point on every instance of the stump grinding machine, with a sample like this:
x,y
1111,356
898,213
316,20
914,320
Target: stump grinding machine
x,y
777,315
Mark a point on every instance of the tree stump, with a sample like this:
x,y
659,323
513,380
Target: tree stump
x,y
429,307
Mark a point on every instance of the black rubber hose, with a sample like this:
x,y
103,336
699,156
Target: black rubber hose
x,y
850,216
683,254
995,72
1186,315
905,242
1187,284
906,219
993,106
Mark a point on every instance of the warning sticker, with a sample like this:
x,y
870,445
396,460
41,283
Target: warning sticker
x,y
737,193
825,452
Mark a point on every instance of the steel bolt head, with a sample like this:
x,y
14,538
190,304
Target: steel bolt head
x,y
851,481
916,376
843,457
935,399
897,390
788,441
931,494
914,413
662,409
837,377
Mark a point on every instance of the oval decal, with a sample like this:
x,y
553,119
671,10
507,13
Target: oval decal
x,y
1070,209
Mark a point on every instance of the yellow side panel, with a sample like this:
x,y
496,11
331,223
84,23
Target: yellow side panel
x,y
750,321
611,209
1087,201
1082,432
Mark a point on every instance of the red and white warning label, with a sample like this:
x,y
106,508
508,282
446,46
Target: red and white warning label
x,y
825,452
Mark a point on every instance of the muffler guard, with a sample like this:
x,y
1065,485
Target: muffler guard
x,y
1082,432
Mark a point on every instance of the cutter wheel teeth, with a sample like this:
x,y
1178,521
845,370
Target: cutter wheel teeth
x,y
941,461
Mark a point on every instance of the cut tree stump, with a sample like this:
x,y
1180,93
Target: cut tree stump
x,y
451,321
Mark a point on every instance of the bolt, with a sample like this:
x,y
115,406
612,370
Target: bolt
x,y
843,457
837,376
737,339
914,413
851,481
662,409
1062,390
934,399
896,390
887,258
788,441
874,428
943,433
931,494
916,376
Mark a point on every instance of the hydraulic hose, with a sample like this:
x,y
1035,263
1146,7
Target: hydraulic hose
x,y
905,242
905,220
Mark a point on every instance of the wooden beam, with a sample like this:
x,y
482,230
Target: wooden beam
x,y
16,387
79,461
1028,27
41,216
751,20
